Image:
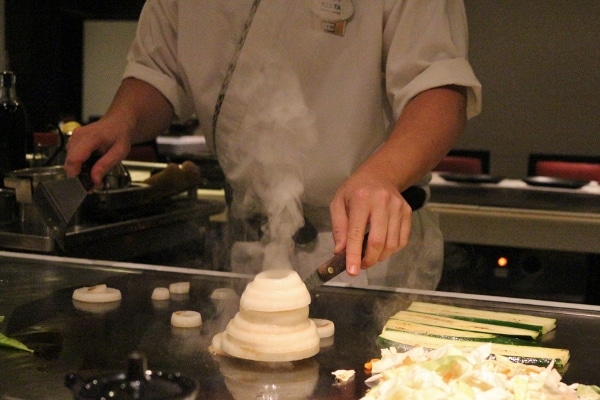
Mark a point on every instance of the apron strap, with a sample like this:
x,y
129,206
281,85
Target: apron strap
x,y
230,70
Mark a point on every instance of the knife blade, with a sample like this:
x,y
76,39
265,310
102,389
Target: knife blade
x,y
415,197
59,200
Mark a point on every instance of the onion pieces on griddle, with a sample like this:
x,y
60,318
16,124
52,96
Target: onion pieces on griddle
x,y
451,373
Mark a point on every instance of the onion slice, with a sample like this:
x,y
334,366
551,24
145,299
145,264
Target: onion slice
x,y
272,324
186,319
325,327
275,290
344,375
179,288
97,294
161,293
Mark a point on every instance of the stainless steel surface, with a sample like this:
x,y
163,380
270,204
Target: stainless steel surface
x,y
117,178
512,193
59,200
24,181
121,239
117,224
138,196
512,213
518,227
35,298
9,210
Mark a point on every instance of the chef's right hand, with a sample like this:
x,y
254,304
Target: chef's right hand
x,y
367,198
104,136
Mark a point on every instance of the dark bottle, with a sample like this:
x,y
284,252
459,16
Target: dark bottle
x,y
13,127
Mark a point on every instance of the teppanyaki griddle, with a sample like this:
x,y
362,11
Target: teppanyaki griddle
x,y
93,342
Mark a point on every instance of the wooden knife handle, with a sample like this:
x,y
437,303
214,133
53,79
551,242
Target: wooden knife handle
x,y
332,267
337,264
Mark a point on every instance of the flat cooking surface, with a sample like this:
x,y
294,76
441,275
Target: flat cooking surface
x,y
35,298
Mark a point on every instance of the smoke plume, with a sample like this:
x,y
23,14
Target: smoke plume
x,y
264,160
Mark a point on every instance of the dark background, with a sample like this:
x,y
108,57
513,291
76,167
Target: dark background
x,y
44,43
538,62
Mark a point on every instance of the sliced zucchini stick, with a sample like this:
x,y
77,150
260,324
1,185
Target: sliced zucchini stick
x,y
541,324
452,334
436,320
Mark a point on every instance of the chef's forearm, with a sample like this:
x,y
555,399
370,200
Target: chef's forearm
x,y
426,130
143,110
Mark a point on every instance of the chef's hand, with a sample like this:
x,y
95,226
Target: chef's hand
x,y
138,113
104,136
367,199
427,128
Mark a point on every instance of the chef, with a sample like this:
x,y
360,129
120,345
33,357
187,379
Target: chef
x,y
329,107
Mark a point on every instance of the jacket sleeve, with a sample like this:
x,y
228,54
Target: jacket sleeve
x,y
426,46
153,54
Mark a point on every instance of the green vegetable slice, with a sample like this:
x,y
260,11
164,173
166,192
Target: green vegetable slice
x,y
5,341
453,334
441,321
530,322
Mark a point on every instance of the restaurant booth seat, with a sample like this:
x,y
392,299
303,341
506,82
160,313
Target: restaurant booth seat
x,y
473,162
585,168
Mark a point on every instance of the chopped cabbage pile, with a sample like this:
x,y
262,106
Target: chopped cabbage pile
x,y
449,373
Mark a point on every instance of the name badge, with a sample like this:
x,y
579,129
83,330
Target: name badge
x,y
332,15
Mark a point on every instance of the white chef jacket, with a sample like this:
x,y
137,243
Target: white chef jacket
x,y
314,105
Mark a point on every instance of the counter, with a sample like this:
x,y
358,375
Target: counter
x,y
513,214
35,298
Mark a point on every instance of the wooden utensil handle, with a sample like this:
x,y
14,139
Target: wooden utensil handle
x,y
332,267
337,264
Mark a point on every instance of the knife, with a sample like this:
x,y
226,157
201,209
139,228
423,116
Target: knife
x,y
330,268
415,197
59,200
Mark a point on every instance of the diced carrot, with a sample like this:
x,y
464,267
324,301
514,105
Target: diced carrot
x,y
369,364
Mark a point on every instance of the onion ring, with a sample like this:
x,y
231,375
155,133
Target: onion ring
x,y
186,319
161,293
97,294
325,327
179,288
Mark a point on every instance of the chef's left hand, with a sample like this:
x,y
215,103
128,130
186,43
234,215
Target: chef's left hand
x,y
368,199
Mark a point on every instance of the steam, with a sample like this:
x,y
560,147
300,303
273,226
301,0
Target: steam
x,y
264,159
